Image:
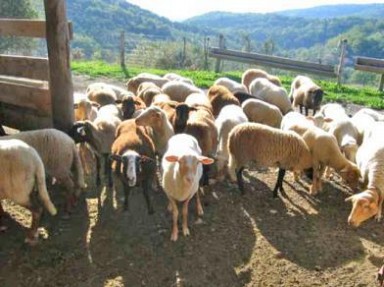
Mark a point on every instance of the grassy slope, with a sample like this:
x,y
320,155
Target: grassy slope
x,y
367,96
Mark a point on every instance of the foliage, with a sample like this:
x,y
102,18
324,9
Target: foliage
x,y
19,9
367,95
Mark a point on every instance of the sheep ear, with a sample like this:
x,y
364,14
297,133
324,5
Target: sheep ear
x,y
328,120
171,158
206,160
95,104
118,101
349,198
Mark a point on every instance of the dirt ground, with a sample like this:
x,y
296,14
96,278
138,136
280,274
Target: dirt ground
x,y
250,240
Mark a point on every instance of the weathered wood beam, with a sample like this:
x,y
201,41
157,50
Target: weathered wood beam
x,y
27,67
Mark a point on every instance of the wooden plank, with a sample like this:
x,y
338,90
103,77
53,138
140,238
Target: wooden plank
x,y
26,96
27,67
22,118
381,84
26,28
371,69
365,61
271,59
283,66
60,80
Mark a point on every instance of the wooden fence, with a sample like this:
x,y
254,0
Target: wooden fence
x,y
372,65
277,62
37,92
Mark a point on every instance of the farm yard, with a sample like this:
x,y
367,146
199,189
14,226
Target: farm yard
x,y
242,240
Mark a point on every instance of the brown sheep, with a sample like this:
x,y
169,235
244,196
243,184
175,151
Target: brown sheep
x,y
220,96
251,74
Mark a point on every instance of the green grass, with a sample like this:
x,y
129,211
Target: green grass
x,y
367,96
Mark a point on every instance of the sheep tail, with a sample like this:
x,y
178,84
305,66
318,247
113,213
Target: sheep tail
x,y
42,189
78,169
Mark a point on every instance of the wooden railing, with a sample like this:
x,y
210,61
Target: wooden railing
x,y
37,92
372,65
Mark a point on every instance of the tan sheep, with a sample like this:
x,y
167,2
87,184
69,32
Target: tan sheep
x,y
179,91
252,74
266,147
262,112
219,97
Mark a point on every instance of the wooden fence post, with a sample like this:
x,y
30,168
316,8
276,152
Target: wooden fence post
x,y
183,57
381,85
206,50
122,49
221,46
341,61
60,78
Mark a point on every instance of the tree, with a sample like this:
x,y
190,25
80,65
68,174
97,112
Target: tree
x,y
20,9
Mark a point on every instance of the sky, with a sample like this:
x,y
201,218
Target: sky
x,y
178,10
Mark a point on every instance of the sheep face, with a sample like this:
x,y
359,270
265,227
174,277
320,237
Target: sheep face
x,y
182,115
78,132
150,117
188,166
350,175
364,206
130,165
317,98
128,107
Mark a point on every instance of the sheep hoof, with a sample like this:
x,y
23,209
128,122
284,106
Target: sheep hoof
x,y
174,236
186,231
3,228
32,239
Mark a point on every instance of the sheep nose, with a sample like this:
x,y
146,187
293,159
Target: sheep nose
x,y
352,222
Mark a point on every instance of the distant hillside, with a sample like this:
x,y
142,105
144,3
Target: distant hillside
x,y
333,11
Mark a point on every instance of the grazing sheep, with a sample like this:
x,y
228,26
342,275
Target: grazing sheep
x,y
156,118
134,83
220,96
182,169
267,147
86,110
229,117
135,163
179,91
370,160
231,85
21,169
198,99
60,157
324,149
363,120
252,74
262,112
104,95
305,93
100,135
176,77
270,93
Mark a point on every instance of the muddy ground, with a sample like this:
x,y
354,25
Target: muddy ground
x,y
250,240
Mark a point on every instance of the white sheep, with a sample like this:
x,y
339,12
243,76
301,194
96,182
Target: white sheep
x,y
119,92
103,95
363,120
60,157
182,169
251,74
266,147
269,92
305,93
231,85
177,77
179,91
85,110
229,117
134,82
262,112
20,170
370,160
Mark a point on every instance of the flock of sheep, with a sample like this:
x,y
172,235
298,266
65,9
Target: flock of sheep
x,y
169,127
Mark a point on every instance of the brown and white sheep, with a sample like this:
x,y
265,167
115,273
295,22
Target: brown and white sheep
x,y
251,74
220,96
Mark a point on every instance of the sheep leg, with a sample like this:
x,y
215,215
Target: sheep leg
x,y
279,182
204,181
146,186
108,169
240,182
98,167
199,207
2,212
306,111
185,218
175,215
32,234
127,190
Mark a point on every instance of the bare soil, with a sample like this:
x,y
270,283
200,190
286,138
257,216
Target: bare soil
x,y
250,240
